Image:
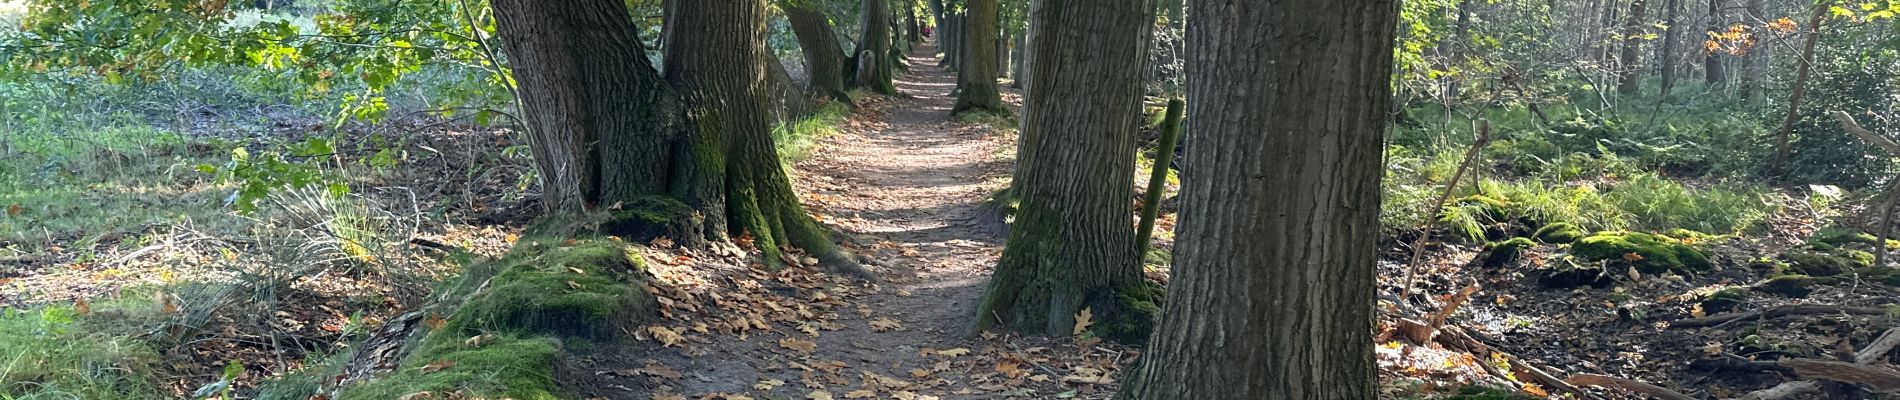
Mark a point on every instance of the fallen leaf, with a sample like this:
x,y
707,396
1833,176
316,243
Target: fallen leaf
x,y
818,395
572,284
1083,320
81,307
478,340
802,346
667,337
656,369
861,394
14,210
885,325
435,321
956,352
438,365
768,384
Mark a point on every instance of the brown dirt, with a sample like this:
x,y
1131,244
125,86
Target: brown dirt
x,y
905,185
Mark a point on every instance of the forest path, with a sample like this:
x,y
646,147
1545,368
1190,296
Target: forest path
x,y
905,184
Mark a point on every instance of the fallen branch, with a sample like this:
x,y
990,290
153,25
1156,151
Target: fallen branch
x,y
1847,123
1418,246
1877,378
1879,348
1456,337
1771,312
1892,193
1784,390
1628,384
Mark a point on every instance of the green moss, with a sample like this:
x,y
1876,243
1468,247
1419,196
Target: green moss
x,y
1838,236
1886,275
1651,254
1787,285
1559,233
643,218
514,367
1494,207
1724,300
589,288
1506,252
1132,317
1836,262
1489,393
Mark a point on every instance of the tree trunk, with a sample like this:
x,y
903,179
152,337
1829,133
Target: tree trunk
x,y
1752,65
952,43
1712,68
874,47
1667,54
1272,295
1016,56
788,103
1800,82
976,79
1630,65
1453,57
824,56
690,155
1072,245
913,30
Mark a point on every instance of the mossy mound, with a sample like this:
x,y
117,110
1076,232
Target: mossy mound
x,y
1886,275
1724,300
1131,315
645,218
520,368
1787,285
1499,254
588,288
1559,233
1838,236
1831,263
1650,254
1567,275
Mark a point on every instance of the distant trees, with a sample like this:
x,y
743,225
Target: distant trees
x,y
1274,259
875,65
977,69
1072,246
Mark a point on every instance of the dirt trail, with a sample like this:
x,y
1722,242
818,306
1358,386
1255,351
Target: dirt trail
x,y
905,182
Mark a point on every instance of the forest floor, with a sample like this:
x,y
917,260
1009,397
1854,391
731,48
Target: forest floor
x,y
907,185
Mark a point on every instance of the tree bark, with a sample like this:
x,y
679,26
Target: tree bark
x,y
824,56
1752,65
913,30
1630,65
1667,54
1272,295
1712,68
1800,82
976,77
688,154
874,47
1072,245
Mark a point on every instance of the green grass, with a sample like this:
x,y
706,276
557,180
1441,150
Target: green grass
x,y
75,187
56,352
797,140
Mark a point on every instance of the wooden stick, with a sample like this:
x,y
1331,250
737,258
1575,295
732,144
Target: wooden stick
x,y
1628,384
1158,182
1847,123
1418,246
1892,193
1457,337
1879,348
1877,378
1797,309
1784,390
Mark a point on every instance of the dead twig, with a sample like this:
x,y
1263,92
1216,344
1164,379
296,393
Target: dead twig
x,y
1877,378
1771,312
1879,348
1628,384
1418,246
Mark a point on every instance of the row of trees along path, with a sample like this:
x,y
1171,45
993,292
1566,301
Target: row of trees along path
x,y
907,183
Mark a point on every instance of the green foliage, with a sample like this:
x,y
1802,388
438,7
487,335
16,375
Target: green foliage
x,y
1559,233
257,176
1650,254
505,366
1826,263
1503,253
796,141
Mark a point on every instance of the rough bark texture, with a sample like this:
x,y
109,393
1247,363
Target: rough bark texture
x,y
824,56
1272,296
689,155
1713,71
1072,245
873,59
1667,54
976,76
585,80
1630,65
719,62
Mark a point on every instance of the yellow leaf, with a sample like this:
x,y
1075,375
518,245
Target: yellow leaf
x,y
575,285
1535,390
818,395
478,340
956,352
768,384
435,321
438,365
81,307
861,394
1083,320
1697,311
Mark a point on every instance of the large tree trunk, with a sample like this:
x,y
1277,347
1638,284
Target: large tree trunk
x,y
1752,65
608,96
1667,54
824,57
1712,69
1630,65
1800,82
689,156
913,30
1072,245
873,59
1272,295
976,77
